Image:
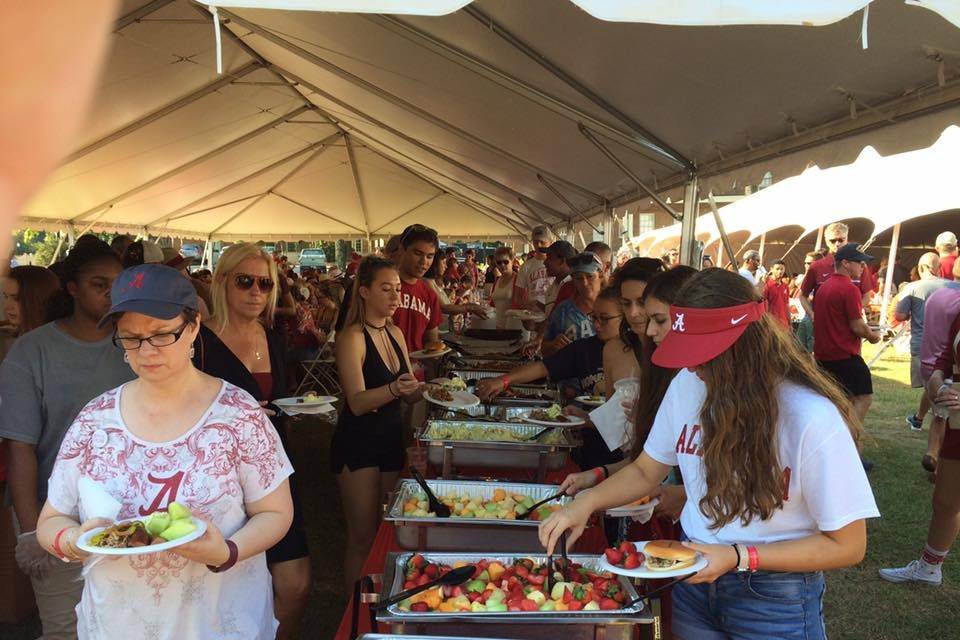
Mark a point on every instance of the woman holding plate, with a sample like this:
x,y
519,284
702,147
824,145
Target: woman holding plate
x,y
775,492
367,451
172,434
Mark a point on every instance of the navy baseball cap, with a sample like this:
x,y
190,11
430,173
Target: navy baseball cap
x,y
851,252
561,249
154,290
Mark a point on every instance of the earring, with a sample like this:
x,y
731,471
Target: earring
x,y
192,351
126,357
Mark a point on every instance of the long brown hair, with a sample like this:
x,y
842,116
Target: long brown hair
x,y
654,380
367,272
37,287
743,473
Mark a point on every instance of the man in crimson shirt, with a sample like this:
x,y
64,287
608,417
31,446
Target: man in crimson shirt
x,y
777,293
836,236
946,245
418,315
839,327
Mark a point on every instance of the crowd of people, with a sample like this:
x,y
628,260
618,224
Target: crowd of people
x,y
123,365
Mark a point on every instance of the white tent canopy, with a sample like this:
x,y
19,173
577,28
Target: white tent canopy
x,y
883,190
481,123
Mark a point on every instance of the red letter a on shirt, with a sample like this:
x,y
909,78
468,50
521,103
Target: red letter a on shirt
x,y
168,488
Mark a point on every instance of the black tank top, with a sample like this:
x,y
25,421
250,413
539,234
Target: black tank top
x,y
376,374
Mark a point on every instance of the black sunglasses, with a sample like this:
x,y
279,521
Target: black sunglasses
x,y
245,282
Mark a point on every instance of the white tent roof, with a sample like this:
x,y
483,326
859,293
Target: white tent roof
x,y
343,125
883,190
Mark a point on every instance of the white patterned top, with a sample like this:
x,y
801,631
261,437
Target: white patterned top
x,y
232,456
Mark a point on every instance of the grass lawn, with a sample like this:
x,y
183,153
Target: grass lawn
x,y
858,604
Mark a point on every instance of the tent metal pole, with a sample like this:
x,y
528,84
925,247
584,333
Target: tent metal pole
x,y
819,243
417,143
566,201
192,163
127,129
763,244
203,256
272,190
135,15
532,211
628,172
319,213
408,211
352,159
244,179
56,252
724,238
521,87
398,101
688,229
576,85
888,280
216,206
366,136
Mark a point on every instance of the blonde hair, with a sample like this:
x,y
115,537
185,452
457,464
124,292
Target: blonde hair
x,y
839,227
229,260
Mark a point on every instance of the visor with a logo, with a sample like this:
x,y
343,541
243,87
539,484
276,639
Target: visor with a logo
x,y
700,335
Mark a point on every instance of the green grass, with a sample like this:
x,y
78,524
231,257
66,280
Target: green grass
x,y
858,603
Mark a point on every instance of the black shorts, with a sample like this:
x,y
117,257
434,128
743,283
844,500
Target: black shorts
x,y
852,374
368,442
293,545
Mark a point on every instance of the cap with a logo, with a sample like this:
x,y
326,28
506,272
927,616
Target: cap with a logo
x,y
852,252
561,249
154,290
699,335
946,239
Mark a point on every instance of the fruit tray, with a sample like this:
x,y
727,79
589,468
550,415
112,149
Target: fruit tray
x,y
615,624
467,534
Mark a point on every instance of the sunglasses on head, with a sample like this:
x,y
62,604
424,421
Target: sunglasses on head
x,y
584,259
417,228
245,282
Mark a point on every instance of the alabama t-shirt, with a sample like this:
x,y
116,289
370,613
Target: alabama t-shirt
x,y
419,311
534,279
568,319
823,268
777,296
824,485
230,458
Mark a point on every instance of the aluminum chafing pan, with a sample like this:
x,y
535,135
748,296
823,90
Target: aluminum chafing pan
x,y
497,454
467,534
618,624
513,413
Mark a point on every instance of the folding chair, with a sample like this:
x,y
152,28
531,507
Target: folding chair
x,y
320,374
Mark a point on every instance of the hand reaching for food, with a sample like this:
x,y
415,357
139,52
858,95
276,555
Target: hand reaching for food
x,y
407,384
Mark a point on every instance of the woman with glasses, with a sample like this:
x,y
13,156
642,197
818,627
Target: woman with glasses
x,y
505,293
239,345
49,374
172,434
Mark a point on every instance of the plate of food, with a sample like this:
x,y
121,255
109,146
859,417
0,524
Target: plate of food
x,y
451,393
652,560
160,531
591,401
310,398
525,314
552,417
640,507
432,350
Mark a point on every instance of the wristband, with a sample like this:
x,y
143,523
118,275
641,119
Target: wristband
x,y
754,559
743,558
56,545
231,558
606,472
598,473
506,382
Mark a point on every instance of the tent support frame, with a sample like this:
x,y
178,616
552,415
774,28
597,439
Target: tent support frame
x,y
576,211
319,213
688,229
888,279
355,172
408,212
724,238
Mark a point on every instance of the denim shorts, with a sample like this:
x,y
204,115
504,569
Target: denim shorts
x,y
751,606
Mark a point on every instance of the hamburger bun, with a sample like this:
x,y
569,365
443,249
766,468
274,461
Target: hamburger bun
x,y
434,347
667,555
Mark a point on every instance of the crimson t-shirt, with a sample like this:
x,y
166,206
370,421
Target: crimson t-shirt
x,y
946,266
419,311
823,268
777,296
837,303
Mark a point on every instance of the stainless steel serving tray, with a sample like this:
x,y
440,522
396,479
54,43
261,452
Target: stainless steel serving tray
x,y
467,534
511,414
393,583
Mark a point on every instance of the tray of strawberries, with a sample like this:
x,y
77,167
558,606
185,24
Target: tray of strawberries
x,y
505,586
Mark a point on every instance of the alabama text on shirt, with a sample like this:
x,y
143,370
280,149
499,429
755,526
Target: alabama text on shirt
x,y
416,304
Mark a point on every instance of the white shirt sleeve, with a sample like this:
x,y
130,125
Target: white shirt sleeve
x,y
834,484
263,462
661,444
63,486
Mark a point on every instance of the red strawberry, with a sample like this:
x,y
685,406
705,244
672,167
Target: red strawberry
x,y
575,605
608,604
422,580
567,596
536,578
614,556
419,607
473,596
409,584
522,571
632,561
457,592
627,547
620,596
431,570
528,605
417,561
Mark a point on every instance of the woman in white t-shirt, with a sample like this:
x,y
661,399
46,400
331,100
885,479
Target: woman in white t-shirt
x,y
173,434
766,446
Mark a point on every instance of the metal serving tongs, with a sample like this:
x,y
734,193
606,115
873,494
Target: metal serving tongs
x,y
647,596
562,542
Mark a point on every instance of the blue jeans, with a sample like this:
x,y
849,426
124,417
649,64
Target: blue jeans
x,y
755,606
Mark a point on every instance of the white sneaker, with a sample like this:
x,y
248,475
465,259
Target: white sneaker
x,y
912,573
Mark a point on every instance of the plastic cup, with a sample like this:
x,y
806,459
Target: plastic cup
x,y
629,388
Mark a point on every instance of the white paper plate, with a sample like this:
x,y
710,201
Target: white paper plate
x,y
423,355
83,542
628,511
571,421
524,314
590,401
302,402
643,572
309,409
461,400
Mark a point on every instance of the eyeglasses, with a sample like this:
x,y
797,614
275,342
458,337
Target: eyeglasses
x,y
245,281
604,319
807,264
836,240
130,343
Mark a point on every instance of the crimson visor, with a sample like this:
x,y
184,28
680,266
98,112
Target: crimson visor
x,y
700,335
